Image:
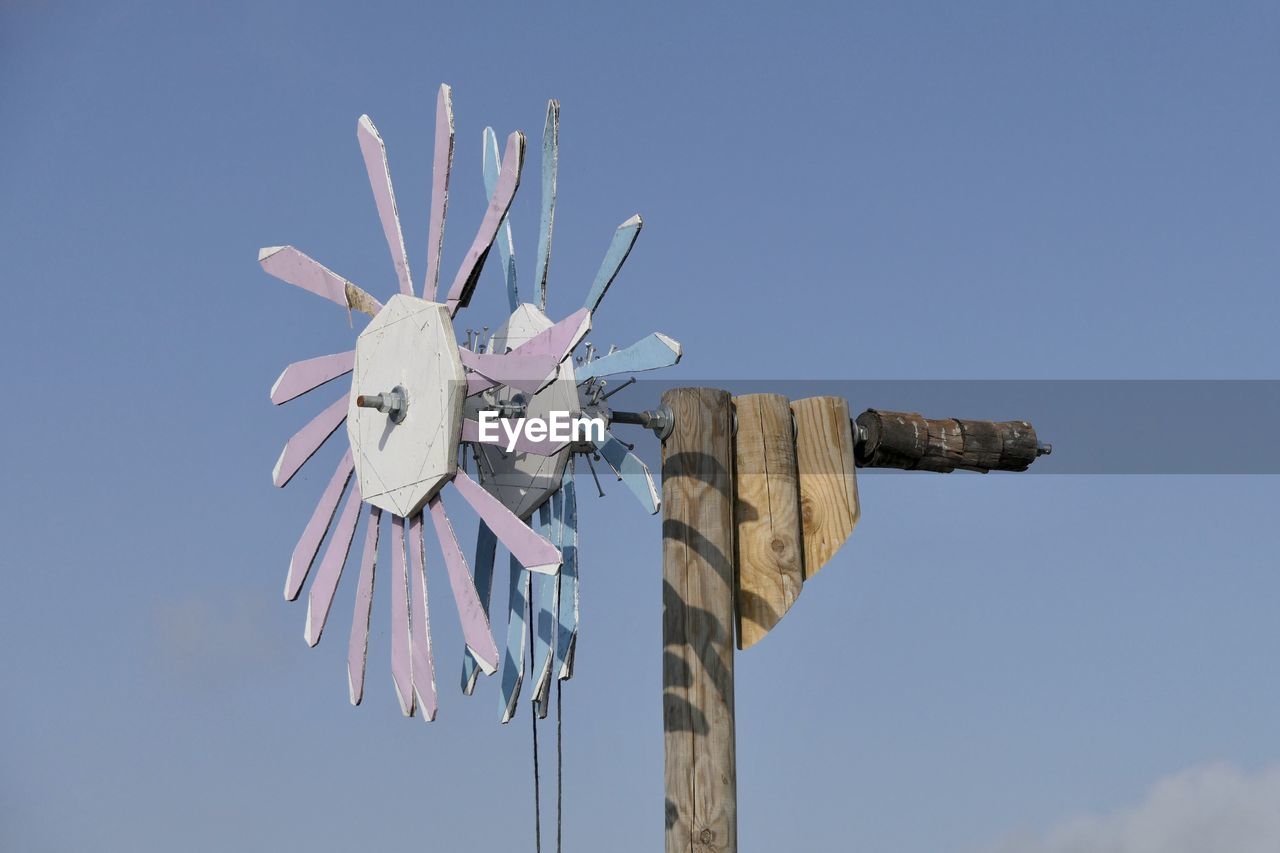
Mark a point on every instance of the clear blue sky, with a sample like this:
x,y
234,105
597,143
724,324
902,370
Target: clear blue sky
x,y
930,191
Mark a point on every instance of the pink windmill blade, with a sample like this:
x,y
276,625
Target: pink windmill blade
x,y
533,551
305,551
401,640
358,644
531,365
303,376
508,182
330,572
424,667
384,195
441,168
471,613
289,265
307,441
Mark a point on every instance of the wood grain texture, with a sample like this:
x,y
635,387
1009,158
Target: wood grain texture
x,y
829,507
697,624
766,512
913,442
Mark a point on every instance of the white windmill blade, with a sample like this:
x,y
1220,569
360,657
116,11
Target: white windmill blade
x,y
442,167
303,376
424,667
506,248
384,196
320,599
306,441
499,203
534,552
472,614
486,548
633,473
567,627
401,654
358,644
619,247
304,553
513,660
294,267
546,220
649,353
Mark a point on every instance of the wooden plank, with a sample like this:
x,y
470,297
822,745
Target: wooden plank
x,y
697,623
767,515
829,507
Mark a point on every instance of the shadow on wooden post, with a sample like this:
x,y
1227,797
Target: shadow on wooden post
x,y
698,623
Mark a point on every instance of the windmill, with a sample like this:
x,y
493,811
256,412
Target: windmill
x,y
758,491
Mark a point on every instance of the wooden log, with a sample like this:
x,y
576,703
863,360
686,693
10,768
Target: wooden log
x,y
697,623
766,513
829,507
916,443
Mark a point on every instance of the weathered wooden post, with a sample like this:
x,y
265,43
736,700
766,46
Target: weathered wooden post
x,y
758,493
698,623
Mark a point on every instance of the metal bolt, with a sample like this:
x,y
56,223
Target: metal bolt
x,y
394,403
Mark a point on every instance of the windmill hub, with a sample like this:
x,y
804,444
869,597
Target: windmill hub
x,y
403,454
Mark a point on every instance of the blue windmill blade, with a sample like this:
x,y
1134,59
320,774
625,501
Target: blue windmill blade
x,y
513,660
567,627
633,473
546,221
623,239
546,601
649,353
486,547
506,249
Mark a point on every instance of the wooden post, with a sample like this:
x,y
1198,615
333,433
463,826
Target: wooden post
x,y
697,623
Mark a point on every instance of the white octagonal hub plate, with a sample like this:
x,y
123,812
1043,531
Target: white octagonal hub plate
x,y
410,344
